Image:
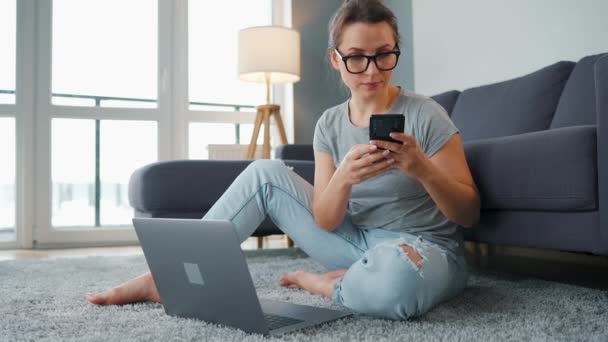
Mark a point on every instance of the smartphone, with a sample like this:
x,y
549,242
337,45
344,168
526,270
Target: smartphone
x,y
381,125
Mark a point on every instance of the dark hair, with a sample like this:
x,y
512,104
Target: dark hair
x,y
354,11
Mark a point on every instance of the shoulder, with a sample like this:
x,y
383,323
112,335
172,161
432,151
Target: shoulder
x,y
430,123
331,116
421,105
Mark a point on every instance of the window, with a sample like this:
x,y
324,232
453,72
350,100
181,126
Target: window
x,y
125,146
105,87
8,27
213,81
212,58
73,172
7,179
95,64
105,53
8,30
92,163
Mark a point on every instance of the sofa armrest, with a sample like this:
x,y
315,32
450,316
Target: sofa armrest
x,y
545,170
191,185
601,98
294,152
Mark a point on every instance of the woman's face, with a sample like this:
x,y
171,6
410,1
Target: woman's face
x,y
365,39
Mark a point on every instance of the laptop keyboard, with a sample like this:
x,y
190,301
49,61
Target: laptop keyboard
x,y
276,322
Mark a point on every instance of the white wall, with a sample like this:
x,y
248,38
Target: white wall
x,y
460,44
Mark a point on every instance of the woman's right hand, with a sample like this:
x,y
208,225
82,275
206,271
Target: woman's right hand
x,y
362,162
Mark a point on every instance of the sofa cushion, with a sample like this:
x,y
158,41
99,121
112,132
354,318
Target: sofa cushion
x,y
447,100
520,105
576,106
295,152
548,170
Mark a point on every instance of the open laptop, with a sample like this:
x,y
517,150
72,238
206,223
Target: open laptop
x,y
200,272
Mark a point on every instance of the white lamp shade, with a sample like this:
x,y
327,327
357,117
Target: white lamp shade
x,y
272,51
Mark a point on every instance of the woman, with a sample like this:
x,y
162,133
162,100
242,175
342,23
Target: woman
x,y
387,224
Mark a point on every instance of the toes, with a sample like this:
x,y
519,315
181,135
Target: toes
x,y
95,298
105,298
287,280
289,285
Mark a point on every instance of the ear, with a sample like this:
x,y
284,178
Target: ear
x,y
334,59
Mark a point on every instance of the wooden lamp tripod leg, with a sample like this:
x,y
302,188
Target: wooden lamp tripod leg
x,y
266,148
279,121
254,137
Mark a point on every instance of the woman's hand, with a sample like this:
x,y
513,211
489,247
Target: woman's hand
x,y
409,157
362,162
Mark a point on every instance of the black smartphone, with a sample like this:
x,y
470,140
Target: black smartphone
x,y
381,125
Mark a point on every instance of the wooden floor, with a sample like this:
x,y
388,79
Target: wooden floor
x,y
269,242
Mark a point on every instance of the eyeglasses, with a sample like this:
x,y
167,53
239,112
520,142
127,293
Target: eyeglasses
x,y
357,64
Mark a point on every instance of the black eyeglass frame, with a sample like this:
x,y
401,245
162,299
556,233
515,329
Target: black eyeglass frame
x,y
369,58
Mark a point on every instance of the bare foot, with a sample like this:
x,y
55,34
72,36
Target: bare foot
x,y
290,279
312,282
139,289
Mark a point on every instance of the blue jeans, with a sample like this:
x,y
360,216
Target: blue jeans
x,y
381,279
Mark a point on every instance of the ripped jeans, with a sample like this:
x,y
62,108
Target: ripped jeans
x,y
382,279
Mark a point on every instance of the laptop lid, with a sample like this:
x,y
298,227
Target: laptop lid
x,y
200,271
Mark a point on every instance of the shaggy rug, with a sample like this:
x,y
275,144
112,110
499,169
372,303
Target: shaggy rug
x,y
43,300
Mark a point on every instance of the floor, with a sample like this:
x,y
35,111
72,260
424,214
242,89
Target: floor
x,y
272,241
573,268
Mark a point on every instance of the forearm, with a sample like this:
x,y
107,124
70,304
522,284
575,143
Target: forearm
x,y
330,207
459,202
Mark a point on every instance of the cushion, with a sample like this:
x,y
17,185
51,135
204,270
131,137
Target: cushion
x,y
577,103
520,105
447,100
294,152
547,170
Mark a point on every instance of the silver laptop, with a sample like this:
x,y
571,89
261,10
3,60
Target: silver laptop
x,y
200,272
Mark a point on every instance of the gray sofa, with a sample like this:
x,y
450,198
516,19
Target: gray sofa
x,y
537,147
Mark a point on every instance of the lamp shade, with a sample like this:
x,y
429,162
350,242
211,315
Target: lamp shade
x,y
269,51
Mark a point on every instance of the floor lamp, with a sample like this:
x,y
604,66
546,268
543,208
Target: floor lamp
x,y
268,54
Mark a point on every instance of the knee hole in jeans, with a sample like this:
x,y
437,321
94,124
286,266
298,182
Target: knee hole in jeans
x,y
413,255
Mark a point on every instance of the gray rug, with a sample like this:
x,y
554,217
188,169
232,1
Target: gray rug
x,y
44,301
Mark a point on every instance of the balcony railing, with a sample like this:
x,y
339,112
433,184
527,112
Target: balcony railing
x,y
98,100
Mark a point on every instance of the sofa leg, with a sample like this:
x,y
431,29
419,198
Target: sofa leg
x,y
480,253
260,242
484,249
290,242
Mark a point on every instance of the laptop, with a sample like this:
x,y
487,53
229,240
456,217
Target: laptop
x,y
200,272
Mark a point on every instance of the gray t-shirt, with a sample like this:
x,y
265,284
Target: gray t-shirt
x,y
393,200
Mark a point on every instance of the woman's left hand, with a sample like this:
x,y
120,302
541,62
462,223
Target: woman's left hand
x,y
409,157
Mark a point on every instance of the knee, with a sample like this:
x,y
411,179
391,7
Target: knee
x,y
267,167
381,284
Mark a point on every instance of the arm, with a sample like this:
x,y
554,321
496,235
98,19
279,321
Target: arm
x,y
330,197
445,175
333,186
447,179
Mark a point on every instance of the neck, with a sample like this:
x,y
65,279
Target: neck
x,y
362,108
